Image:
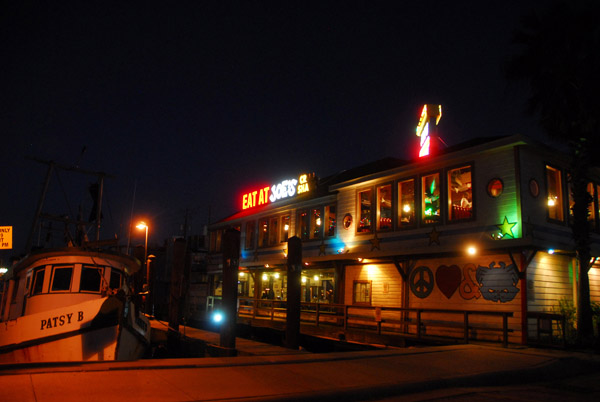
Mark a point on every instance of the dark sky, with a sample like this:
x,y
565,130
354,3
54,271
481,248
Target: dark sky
x,y
188,104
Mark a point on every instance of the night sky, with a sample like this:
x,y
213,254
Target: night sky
x,y
189,104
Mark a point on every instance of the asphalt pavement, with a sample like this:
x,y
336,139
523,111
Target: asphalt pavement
x,y
428,373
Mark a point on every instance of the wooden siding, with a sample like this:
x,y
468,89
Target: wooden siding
x,y
549,279
386,283
594,275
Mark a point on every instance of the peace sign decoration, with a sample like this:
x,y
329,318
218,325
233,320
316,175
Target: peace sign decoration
x,y
421,281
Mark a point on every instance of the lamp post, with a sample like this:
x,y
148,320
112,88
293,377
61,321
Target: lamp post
x,y
142,225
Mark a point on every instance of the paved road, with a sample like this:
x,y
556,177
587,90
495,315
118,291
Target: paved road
x,y
463,372
580,388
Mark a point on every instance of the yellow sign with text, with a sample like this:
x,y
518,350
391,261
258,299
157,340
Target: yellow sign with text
x,y
5,237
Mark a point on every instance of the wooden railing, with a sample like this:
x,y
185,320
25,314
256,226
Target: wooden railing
x,y
416,322
550,329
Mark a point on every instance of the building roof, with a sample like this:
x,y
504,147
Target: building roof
x,y
325,185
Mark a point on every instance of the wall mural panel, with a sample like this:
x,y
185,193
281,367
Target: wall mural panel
x,y
497,283
469,289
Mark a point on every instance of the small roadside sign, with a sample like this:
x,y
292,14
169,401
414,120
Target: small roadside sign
x,y
5,237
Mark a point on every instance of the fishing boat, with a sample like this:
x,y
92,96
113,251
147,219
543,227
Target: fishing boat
x,y
72,303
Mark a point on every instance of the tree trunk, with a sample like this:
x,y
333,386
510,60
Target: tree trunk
x,y
581,235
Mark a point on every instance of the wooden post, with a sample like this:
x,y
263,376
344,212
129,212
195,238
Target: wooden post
x,y
466,326
231,257
524,296
294,287
505,330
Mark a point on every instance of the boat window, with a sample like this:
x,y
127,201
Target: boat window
x,y
28,282
61,279
38,280
91,278
115,279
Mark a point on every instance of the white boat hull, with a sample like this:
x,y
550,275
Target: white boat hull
x,y
107,328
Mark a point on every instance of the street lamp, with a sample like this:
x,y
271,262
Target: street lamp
x,y
142,225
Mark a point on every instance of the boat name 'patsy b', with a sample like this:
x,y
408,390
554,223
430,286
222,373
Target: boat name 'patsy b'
x,y
60,320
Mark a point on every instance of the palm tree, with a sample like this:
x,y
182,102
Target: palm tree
x,y
560,62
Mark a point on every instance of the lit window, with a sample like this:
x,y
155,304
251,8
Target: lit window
x,y
285,226
364,204
316,223
495,188
384,207
303,225
61,279
263,232
555,196
430,198
597,208
273,231
361,293
331,220
250,233
460,194
406,203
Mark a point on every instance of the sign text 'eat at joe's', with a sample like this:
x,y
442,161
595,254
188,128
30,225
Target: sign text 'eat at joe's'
x,y
285,189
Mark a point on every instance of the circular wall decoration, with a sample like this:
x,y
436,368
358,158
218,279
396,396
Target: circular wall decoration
x,y
347,221
495,187
534,188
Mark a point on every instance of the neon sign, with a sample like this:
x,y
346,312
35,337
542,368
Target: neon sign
x,y
427,113
303,186
279,191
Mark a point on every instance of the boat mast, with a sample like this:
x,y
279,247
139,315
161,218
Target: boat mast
x,y
98,212
38,211
99,204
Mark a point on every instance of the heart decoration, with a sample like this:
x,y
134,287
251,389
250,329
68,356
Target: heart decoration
x,y
448,279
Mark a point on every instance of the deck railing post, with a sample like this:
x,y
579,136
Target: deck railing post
x,y
419,324
505,330
466,327
564,330
345,317
317,314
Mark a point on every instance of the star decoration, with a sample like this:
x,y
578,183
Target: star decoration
x,y
375,243
506,227
434,237
322,248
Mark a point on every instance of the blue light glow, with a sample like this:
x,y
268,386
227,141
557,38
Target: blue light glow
x,y
217,317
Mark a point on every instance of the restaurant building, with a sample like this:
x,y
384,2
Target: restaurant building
x,y
482,227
